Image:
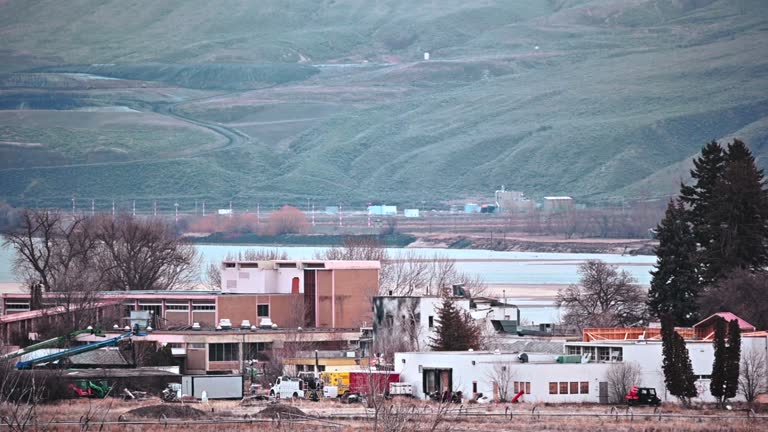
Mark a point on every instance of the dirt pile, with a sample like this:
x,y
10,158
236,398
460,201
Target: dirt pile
x,y
285,411
168,410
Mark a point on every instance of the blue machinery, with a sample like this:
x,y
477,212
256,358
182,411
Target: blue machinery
x,y
29,364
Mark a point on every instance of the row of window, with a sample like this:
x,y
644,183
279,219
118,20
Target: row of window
x,y
262,310
601,354
573,387
521,386
223,352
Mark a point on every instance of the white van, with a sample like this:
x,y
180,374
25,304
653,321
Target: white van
x,y
287,388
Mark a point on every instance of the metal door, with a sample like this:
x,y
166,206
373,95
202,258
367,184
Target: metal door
x,y
604,392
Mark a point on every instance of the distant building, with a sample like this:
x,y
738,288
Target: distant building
x,y
332,210
513,202
382,210
415,316
555,204
471,208
411,213
224,211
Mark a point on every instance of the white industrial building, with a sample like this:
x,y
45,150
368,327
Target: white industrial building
x,y
415,317
544,379
382,210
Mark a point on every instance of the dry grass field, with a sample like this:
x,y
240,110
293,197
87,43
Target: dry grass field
x,y
150,415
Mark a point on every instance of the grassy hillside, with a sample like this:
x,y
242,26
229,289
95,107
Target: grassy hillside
x,y
275,101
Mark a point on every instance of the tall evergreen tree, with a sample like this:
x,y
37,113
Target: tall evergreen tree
x,y
717,385
733,360
675,284
456,331
738,217
708,168
676,364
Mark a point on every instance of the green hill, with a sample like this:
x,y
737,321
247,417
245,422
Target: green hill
x,y
276,101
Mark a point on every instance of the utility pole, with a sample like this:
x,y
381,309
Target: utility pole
x,y
258,213
113,208
133,211
154,208
341,217
230,209
203,208
73,205
177,211
195,207
313,214
93,207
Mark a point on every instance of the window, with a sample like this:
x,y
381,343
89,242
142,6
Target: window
x,y
431,321
204,307
229,265
584,387
574,350
603,354
17,306
249,265
522,386
196,346
177,307
553,388
262,310
563,388
574,387
474,386
223,352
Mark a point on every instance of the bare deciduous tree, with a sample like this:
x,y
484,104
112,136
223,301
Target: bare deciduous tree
x,y
604,297
753,375
287,220
19,398
408,273
502,375
143,254
621,377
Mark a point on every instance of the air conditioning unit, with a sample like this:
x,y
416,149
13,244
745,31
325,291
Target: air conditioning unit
x,y
265,323
245,325
225,324
195,326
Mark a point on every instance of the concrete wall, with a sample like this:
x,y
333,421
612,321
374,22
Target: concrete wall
x,y
354,289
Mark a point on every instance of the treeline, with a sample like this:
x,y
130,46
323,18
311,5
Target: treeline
x,y
632,221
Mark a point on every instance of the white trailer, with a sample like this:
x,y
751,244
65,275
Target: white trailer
x,y
214,386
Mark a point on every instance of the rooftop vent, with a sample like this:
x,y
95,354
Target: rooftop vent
x,y
225,324
195,326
